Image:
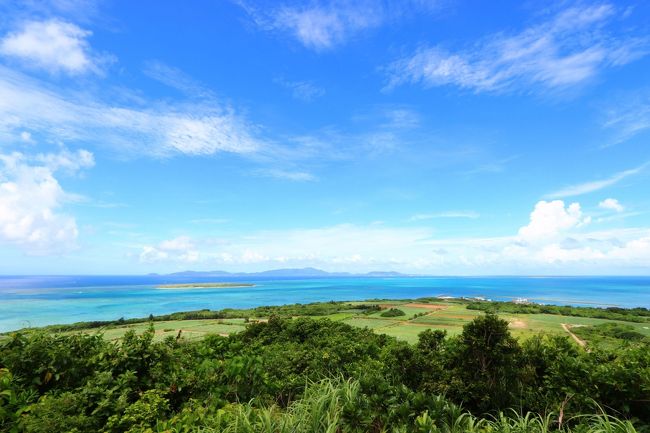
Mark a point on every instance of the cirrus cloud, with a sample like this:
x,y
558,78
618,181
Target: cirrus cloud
x,y
569,49
323,25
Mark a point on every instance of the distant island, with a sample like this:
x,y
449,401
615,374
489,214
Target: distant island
x,y
295,273
205,286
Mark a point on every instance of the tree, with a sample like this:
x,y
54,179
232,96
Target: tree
x,y
487,361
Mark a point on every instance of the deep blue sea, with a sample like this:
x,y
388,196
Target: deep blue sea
x,y
35,301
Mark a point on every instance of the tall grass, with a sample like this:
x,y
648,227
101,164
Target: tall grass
x,y
326,407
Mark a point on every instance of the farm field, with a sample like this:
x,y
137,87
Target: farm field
x,y
418,316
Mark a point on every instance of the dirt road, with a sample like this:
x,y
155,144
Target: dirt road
x,y
582,343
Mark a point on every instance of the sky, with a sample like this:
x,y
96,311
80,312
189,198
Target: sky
x,y
442,137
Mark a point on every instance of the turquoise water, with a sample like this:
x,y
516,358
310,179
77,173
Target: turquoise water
x,y
36,301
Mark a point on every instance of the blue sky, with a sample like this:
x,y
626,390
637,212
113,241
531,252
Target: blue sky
x,y
438,137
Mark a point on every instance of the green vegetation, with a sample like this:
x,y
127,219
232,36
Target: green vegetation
x,y
393,312
610,335
314,374
205,285
611,313
314,309
420,314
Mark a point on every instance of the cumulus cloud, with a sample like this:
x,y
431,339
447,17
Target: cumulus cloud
x,y
566,50
611,204
550,219
53,45
31,199
180,249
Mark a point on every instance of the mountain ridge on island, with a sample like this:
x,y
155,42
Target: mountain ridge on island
x,y
288,272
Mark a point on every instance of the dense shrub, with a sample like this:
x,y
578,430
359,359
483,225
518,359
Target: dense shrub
x,y
310,375
393,312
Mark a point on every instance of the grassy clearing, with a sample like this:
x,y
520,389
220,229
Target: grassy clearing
x,y
370,322
189,329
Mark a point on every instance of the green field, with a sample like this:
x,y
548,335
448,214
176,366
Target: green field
x,y
449,316
189,329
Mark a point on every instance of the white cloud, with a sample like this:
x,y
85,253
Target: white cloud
x,y
448,214
26,137
343,245
296,176
53,45
401,118
174,77
629,117
321,28
569,49
550,219
302,90
73,10
597,185
151,254
31,199
67,160
192,129
611,204
180,249
323,25
555,241
181,243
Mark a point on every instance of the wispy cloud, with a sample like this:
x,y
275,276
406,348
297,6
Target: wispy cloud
x,y
596,185
210,221
401,118
156,130
566,50
302,90
629,117
177,79
493,166
53,45
75,10
447,214
323,25
283,174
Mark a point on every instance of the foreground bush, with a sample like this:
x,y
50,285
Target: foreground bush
x,y
257,381
335,406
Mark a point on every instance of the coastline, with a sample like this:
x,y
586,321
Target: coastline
x,y
40,301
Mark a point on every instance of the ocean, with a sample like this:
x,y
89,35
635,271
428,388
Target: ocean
x,y
29,301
